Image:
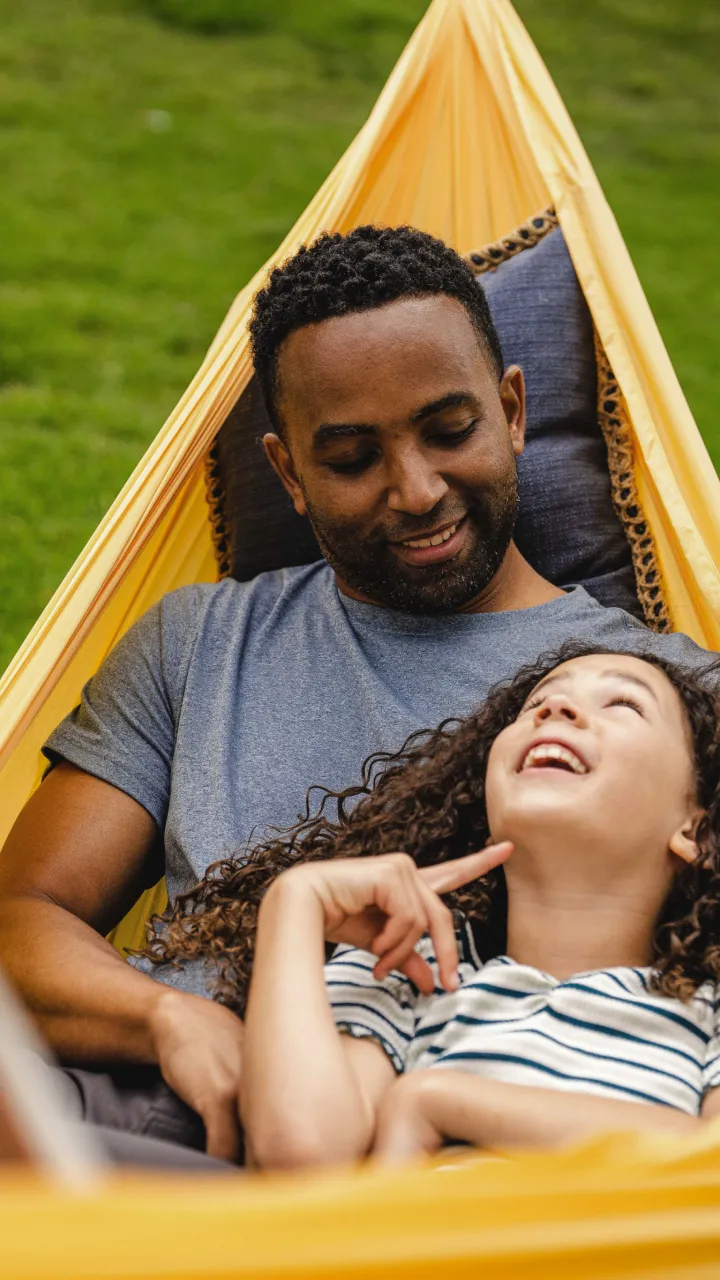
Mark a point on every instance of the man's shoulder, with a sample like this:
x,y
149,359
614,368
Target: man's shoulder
x,y
228,602
577,615
617,629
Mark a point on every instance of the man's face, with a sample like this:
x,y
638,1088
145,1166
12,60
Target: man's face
x,y
400,445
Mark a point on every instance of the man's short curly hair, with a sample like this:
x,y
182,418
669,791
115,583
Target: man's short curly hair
x,y
339,274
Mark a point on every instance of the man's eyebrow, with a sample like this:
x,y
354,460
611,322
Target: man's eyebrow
x,y
613,674
330,431
455,400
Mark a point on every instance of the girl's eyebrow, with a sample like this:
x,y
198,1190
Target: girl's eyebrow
x,y
637,680
611,674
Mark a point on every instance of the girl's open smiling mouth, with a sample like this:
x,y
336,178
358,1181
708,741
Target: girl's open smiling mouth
x,y
553,755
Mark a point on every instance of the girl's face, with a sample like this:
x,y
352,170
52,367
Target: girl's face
x,y
599,760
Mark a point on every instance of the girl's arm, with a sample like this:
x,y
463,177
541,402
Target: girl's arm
x,y
425,1107
310,1095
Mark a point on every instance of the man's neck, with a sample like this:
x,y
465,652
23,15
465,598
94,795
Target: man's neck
x,y
516,585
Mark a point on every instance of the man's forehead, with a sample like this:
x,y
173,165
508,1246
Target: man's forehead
x,y
415,350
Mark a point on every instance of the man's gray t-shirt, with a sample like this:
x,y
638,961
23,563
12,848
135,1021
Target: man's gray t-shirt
x,y
225,703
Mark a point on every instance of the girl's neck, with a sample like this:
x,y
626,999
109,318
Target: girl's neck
x,y
572,927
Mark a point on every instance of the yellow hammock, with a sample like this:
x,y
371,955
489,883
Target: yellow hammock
x,y
467,140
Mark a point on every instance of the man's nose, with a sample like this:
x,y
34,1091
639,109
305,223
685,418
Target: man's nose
x,y
414,486
557,706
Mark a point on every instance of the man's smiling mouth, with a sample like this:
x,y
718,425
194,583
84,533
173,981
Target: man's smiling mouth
x,y
436,540
434,547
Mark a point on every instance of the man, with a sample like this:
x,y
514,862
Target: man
x,y
396,432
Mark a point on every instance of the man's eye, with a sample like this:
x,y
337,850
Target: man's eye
x,y
451,438
352,468
627,702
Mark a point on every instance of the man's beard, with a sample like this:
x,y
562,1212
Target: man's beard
x,y
371,567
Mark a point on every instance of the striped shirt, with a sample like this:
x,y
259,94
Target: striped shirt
x,y
603,1032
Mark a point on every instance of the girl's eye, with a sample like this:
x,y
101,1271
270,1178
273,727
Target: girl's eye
x,y
627,702
530,706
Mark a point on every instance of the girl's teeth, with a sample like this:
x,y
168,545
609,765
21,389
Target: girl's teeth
x,y
433,542
552,751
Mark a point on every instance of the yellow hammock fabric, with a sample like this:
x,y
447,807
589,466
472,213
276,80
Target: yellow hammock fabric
x,y
468,139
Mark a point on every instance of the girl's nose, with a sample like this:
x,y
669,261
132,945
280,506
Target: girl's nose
x,y
557,706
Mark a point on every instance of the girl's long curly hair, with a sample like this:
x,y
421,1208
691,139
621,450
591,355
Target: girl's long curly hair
x,y
428,800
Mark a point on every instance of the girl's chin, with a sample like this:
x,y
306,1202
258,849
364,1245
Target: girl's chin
x,y
543,824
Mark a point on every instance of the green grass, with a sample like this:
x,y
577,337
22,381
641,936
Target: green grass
x,y
153,153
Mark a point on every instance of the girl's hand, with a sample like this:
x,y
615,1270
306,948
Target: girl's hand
x,y
406,1126
385,904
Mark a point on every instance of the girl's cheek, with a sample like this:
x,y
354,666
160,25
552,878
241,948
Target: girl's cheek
x,y
494,791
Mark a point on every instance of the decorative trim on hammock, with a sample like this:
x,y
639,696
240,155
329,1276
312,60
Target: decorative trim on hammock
x,y
614,422
216,499
535,229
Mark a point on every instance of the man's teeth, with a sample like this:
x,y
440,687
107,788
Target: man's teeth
x,y
549,752
435,541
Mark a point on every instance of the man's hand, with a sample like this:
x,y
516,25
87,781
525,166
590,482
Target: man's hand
x,y
198,1046
385,904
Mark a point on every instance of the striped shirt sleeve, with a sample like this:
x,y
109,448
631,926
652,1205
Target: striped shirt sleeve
x,y
711,1069
362,1007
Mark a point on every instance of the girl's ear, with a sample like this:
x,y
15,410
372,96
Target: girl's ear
x,y
683,843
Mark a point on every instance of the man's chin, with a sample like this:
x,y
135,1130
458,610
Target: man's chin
x,y
427,591
384,578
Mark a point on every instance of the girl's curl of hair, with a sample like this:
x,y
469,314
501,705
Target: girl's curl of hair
x,y
428,800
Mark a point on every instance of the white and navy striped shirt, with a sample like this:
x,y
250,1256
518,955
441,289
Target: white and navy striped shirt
x,y
603,1032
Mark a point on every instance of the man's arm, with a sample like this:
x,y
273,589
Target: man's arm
x,y
425,1107
78,856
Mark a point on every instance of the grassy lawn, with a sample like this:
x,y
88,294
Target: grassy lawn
x,y
153,152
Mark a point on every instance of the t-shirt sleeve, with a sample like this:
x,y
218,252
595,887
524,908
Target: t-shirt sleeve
x,y
123,731
711,1069
362,1007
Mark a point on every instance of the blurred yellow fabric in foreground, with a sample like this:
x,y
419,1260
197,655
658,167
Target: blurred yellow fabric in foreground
x,y
621,1207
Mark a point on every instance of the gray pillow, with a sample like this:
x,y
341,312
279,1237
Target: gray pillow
x,y
567,525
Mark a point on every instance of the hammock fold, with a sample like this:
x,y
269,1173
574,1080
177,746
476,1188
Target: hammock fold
x,y
468,139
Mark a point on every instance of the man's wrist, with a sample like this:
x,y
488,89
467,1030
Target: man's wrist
x,y
161,1014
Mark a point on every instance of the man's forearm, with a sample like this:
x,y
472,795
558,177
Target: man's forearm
x,y
491,1114
89,1004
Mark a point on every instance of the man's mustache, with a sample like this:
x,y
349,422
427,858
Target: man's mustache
x,y
423,524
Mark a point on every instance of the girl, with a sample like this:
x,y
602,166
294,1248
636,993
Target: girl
x,y
569,984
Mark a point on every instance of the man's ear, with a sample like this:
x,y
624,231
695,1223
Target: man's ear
x,y
683,843
512,397
282,464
